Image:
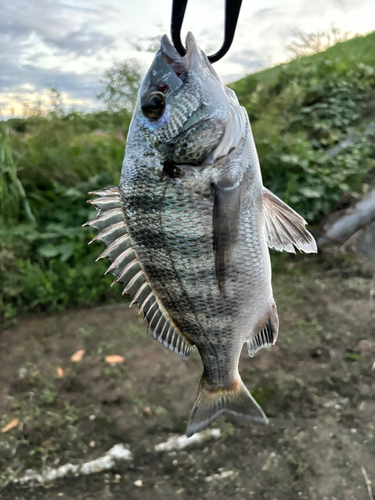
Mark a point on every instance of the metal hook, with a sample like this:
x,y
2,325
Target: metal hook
x,y
232,10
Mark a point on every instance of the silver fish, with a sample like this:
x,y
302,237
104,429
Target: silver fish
x,y
188,228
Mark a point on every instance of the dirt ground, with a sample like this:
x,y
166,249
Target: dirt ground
x,y
317,385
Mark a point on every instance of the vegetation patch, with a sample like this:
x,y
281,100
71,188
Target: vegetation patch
x,y
49,162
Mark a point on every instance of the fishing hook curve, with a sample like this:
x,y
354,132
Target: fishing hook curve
x,y
232,10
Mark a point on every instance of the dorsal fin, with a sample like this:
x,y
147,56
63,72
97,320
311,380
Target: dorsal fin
x,y
128,270
285,229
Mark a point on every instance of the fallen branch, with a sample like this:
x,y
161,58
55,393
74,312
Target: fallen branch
x,y
368,483
180,442
106,462
117,453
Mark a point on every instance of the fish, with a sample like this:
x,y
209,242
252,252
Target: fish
x,y
189,227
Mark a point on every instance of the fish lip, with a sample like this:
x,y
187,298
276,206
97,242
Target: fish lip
x,y
179,64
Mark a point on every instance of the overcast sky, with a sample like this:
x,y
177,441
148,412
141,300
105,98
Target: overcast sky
x,y
69,43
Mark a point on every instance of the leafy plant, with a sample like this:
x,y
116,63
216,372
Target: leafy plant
x,y
12,193
50,160
298,117
121,83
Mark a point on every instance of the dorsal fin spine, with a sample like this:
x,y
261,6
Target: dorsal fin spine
x,y
144,303
115,234
151,308
125,270
132,281
153,316
119,259
108,230
154,333
113,245
168,341
158,323
139,291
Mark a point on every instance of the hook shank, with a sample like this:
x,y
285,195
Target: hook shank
x,y
232,10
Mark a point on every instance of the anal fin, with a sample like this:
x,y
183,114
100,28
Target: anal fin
x,y
266,336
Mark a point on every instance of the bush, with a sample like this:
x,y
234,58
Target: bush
x,y
307,109
45,260
49,163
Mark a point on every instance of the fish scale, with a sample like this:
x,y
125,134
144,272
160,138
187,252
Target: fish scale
x,y
188,229
168,263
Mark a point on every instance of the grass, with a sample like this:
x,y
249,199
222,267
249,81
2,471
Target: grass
x,y
360,49
49,162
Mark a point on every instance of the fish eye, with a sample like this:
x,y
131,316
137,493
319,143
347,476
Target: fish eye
x,y
153,106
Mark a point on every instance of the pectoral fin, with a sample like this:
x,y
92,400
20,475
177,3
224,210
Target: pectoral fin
x,y
285,229
226,217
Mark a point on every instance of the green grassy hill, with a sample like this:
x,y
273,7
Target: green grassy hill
x,y
358,50
49,163
300,110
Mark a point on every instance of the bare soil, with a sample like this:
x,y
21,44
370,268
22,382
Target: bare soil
x,y
317,385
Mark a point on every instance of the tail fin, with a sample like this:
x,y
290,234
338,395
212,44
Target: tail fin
x,y
209,405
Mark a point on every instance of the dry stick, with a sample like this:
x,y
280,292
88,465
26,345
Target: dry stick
x,y
368,483
372,292
352,238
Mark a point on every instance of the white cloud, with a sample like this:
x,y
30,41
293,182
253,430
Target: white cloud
x,y
71,42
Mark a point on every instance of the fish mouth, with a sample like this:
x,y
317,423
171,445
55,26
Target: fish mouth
x,y
193,60
167,70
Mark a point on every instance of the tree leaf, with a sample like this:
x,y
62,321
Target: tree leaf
x,y
77,356
114,359
12,424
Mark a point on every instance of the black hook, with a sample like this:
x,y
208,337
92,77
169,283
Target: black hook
x,y
232,10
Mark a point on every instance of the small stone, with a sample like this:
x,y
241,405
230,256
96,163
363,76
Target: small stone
x,y
226,473
138,483
92,444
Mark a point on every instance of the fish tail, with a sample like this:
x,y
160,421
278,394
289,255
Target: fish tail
x,y
210,404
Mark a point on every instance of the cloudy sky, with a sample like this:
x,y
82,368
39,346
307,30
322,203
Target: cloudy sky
x,y
69,43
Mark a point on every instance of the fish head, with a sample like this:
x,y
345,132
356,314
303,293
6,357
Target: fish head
x,y
183,110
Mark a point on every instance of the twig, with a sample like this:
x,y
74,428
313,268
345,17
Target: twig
x,y
372,292
368,483
352,238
